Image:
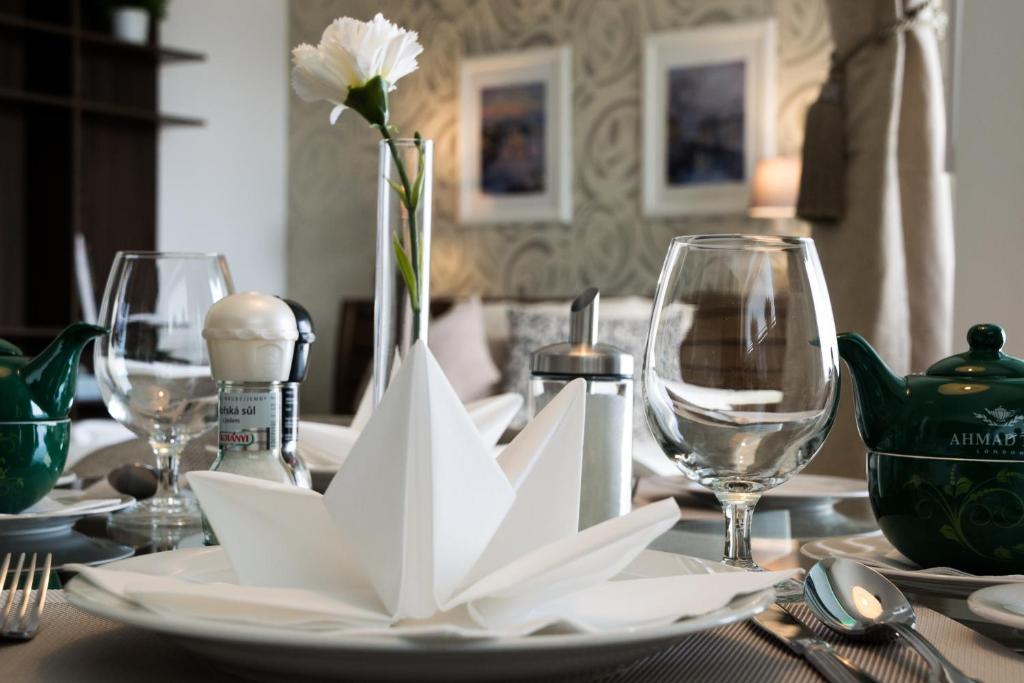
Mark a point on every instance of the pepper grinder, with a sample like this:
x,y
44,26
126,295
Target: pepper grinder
x,y
605,489
290,395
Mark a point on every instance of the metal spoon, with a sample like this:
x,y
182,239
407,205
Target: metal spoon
x,y
857,601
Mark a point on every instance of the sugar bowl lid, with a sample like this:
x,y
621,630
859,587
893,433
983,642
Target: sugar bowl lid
x,y
983,359
582,355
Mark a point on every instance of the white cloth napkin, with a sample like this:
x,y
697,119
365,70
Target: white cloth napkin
x,y
59,506
423,530
324,447
89,436
655,590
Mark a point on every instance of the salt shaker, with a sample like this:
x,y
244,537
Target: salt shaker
x,y
251,338
605,490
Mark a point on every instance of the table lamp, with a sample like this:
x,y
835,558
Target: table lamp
x,y
775,189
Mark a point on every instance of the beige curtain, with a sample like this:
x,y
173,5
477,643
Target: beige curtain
x,y
889,261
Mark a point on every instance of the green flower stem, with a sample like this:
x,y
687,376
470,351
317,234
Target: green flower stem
x,y
410,201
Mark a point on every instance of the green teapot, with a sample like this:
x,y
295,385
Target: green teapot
x,y
35,400
946,453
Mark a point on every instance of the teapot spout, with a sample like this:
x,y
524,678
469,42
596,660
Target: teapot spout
x,y
879,395
50,377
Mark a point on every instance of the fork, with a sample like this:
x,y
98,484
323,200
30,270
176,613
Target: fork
x,y
20,623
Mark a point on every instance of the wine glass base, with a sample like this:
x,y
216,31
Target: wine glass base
x,y
788,591
160,512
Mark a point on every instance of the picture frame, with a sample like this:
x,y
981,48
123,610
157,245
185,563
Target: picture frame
x,y
515,137
709,115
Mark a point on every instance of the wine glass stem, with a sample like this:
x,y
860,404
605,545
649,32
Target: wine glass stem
x,y
738,515
167,469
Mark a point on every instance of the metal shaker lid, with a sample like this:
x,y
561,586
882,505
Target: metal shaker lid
x,y
304,324
582,354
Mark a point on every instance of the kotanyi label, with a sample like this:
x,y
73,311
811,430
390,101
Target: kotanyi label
x,y
250,419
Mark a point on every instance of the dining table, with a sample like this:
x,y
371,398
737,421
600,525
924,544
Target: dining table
x,y
73,645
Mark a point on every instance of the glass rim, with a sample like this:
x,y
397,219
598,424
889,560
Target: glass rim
x,y
151,254
406,142
726,241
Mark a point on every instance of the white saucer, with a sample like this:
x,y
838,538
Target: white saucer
x,y
271,653
1003,604
61,515
802,491
69,547
878,553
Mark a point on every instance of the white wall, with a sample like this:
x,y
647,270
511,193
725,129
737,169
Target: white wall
x,y
989,189
223,187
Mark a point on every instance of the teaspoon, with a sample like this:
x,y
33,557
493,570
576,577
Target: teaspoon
x,y
857,601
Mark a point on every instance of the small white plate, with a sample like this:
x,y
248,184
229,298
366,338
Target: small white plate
x,y
1003,604
67,548
272,653
877,553
63,515
802,491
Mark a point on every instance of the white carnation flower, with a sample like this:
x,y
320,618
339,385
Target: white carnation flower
x,y
351,53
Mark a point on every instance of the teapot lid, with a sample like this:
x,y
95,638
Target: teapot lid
x,y
984,359
9,349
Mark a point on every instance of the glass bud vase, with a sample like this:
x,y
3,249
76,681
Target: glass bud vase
x,y
403,254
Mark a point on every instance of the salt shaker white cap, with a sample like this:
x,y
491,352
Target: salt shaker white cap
x,y
251,337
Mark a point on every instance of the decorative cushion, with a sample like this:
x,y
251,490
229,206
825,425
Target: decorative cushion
x,y
459,343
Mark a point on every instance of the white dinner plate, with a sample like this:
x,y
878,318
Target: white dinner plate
x,y
1003,604
62,515
878,553
802,491
274,653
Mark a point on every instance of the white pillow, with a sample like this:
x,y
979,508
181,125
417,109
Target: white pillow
x,y
459,343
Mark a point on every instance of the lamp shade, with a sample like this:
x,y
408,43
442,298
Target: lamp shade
x,y
776,185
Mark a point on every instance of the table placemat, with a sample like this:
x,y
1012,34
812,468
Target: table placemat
x,y
76,647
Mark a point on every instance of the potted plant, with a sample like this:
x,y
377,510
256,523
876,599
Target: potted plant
x,y
130,19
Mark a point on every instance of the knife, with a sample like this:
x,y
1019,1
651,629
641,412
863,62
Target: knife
x,y
801,640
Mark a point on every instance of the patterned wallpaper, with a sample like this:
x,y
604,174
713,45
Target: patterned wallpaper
x,y
610,244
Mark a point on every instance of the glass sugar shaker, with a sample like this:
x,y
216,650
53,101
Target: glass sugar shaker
x,y
606,489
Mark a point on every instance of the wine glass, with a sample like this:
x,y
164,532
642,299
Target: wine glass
x,y
741,374
153,368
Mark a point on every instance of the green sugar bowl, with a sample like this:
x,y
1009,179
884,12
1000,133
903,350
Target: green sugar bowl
x,y
946,453
35,400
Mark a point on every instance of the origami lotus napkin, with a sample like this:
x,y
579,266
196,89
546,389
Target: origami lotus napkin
x,y
424,531
324,447
656,589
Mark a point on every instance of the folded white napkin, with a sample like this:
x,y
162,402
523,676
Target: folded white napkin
x,y
424,531
324,447
656,589
89,436
55,505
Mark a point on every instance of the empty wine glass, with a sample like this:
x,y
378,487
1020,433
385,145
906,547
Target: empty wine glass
x,y
741,375
153,368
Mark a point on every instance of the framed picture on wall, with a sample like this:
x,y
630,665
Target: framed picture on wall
x,y
515,137
709,115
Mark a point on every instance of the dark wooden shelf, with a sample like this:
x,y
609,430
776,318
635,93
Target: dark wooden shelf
x,y
164,54
12,21
80,126
159,52
99,108
16,331
142,115
11,95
